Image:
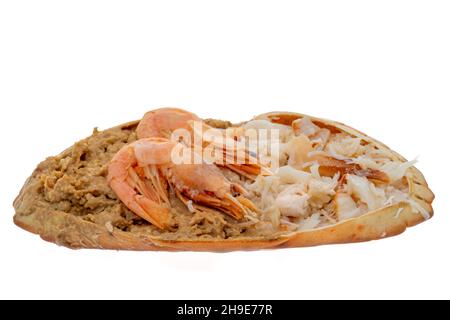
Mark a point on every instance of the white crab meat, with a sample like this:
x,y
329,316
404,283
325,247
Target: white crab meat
x,y
365,190
293,201
346,207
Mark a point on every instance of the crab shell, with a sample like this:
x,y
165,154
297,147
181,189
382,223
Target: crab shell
x,y
69,230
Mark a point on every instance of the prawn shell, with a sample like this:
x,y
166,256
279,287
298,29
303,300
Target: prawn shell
x,y
71,231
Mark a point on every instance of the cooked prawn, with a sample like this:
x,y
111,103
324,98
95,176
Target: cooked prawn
x,y
142,172
163,122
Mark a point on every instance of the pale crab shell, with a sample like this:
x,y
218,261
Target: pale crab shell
x,y
69,230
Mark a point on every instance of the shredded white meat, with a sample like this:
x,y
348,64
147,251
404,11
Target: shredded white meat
x,y
366,191
346,207
289,175
285,132
190,206
366,162
305,126
298,150
310,223
345,147
399,211
417,208
299,197
397,170
293,201
315,170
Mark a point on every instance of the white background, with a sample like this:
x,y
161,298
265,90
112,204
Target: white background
x,y
380,66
